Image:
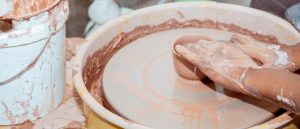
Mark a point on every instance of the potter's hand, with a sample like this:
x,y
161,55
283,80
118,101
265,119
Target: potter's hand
x,y
223,62
270,55
227,64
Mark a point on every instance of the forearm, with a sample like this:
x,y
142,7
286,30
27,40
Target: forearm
x,y
293,53
278,86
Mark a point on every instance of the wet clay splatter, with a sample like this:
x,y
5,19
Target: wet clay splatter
x,y
25,7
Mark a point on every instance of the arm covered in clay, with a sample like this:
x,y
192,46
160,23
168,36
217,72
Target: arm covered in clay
x,y
294,54
278,86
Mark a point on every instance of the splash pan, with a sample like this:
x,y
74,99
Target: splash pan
x,y
141,84
130,59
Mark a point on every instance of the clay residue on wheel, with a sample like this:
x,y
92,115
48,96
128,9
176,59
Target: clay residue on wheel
x,y
95,63
93,69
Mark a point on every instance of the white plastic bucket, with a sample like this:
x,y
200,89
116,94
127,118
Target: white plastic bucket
x,y
32,63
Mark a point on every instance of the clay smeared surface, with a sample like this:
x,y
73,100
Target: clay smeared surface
x,y
141,73
95,63
92,72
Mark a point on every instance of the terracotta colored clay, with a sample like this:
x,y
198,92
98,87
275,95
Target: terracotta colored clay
x,y
23,7
27,8
184,68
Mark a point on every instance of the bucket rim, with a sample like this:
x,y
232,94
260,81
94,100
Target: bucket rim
x,y
27,16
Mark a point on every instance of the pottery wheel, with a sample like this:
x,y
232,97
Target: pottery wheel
x,y
140,83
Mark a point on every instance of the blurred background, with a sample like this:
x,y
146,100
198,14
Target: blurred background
x,y
87,15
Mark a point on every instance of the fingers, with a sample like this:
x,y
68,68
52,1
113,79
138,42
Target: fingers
x,y
198,48
218,61
187,54
241,40
254,49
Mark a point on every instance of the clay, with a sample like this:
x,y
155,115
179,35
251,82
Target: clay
x,y
27,8
92,71
5,25
74,125
222,61
26,125
69,114
183,67
72,46
178,90
23,7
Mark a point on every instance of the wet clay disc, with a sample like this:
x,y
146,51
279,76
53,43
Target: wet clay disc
x,y
140,83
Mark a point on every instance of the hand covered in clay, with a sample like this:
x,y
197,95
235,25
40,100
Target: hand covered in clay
x,y
223,62
228,64
270,55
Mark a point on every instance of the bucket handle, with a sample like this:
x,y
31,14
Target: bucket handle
x,y
32,62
